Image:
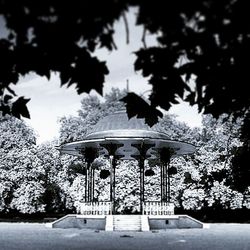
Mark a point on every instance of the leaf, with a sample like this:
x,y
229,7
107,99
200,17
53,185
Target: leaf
x,y
7,98
85,75
107,40
91,45
190,98
19,108
5,109
136,106
65,76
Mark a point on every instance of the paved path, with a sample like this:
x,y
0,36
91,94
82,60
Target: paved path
x,y
27,236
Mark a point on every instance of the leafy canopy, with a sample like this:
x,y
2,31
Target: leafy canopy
x,y
205,38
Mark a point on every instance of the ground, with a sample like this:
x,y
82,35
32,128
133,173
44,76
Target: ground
x,y
34,236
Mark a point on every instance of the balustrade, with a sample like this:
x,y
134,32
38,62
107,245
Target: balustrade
x,y
105,208
96,208
158,208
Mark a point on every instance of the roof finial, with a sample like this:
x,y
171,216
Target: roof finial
x,y
127,88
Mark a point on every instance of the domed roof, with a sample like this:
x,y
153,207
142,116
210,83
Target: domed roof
x,y
128,135
119,125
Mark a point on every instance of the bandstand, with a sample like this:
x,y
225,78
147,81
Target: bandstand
x,y
119,138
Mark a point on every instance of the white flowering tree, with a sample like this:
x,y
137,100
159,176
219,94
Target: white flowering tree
x,y
27,197
56,177
74,128
21,187
204,179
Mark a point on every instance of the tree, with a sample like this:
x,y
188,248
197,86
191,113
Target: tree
x,y
55,177
211,36
91,111
206,178
21,187
240,169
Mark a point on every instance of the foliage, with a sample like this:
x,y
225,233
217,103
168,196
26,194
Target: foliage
x,y
33,178
15,133
207,39
240,162
27,197
54,177
92,110
71,129
205,178
20,171
6,194
127,187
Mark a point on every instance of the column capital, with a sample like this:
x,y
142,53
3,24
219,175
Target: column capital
x,y
165,155
143,149
90,154
111,147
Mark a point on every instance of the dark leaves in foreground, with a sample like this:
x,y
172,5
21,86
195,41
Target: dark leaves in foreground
x,y
137,106
205,39
19,108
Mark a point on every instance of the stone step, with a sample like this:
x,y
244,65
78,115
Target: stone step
x,y
127,222
128,226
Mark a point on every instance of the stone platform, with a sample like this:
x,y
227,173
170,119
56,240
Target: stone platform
x,y
126,222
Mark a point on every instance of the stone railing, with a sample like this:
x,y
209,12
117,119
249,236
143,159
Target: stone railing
x,y
95,208
158,208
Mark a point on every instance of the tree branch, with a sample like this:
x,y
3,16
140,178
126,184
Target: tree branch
x,y
143,39
126,27
114,45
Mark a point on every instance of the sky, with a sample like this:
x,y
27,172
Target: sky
x,y
49,101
